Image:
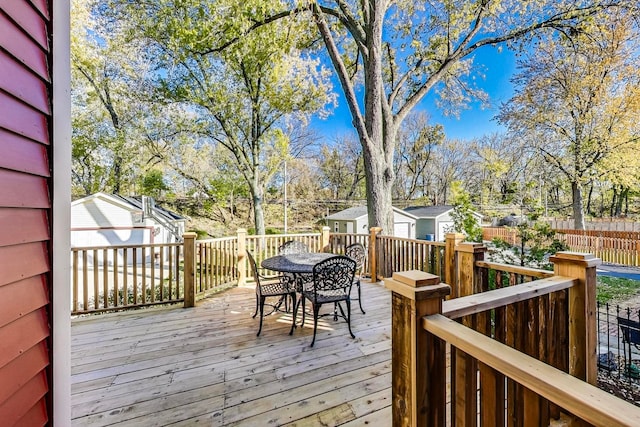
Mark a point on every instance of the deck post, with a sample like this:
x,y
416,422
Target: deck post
x,y
464,381
451,241
189,242
373,260
418,358
242,257
324,239
582,312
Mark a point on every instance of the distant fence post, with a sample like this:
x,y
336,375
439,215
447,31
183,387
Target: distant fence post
x,y
189,242
373,253
451,241
583,329
242,249
324,238
418,364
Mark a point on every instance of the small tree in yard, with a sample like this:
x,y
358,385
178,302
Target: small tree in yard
x,y
464,220
537,242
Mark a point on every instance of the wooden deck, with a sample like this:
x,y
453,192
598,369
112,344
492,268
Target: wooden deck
x,y
205,366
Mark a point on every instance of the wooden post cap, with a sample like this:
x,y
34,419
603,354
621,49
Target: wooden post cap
x,y
415,278
587,260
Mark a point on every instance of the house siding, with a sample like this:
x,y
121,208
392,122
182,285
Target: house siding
x,y
25,213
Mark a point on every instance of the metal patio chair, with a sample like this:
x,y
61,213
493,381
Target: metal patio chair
x,y
332,281
358,253
267,287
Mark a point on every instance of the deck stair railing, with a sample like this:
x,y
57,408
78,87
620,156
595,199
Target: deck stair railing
x,y
522,346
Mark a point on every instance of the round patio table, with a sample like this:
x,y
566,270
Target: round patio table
x,y
299,263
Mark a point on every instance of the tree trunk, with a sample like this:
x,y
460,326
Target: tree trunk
x,y
258,208
578,209
379,180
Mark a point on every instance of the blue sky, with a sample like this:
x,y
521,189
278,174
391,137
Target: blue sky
x,y
473,122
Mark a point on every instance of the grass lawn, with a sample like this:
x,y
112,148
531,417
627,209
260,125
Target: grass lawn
x,y
615,289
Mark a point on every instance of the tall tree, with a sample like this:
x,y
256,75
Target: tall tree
x,y
403,50
107,73
416,142
248,98
579,97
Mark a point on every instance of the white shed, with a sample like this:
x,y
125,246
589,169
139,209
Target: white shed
x,y
355,220
107,219
433,222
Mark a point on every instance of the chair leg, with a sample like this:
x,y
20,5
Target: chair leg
x,y
316,311
349,318
295,311
257,306
261,315
360,297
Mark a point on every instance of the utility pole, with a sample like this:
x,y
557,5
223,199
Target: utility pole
x,y
285,197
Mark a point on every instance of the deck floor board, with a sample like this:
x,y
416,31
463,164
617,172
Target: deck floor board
x,y
205,366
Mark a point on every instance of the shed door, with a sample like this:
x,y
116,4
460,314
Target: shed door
x,y
25,213
349,227
401,229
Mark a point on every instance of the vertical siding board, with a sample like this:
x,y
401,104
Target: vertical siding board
x,y
25,260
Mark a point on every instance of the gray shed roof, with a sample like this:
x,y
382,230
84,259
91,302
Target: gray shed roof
x,y
428,211
136,202
349,214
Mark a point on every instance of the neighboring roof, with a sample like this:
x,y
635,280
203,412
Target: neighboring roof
x,y
357,212
429,211
353,213
133,203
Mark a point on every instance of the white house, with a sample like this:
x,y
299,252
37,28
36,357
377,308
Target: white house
x,y
355,220
107,219
433,222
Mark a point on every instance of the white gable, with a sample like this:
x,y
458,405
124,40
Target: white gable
x,y
102,211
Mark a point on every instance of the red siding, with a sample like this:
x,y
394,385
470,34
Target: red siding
x,y
18,44
25,213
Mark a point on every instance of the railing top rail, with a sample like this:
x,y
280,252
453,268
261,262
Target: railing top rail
x,y
264,236
477,303
217,239
132,246
420,242
580,398
508,268
350,234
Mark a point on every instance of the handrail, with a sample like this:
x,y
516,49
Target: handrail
x,y
578,397
477,303
508,268
125,246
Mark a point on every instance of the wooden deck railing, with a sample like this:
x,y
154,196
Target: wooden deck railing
x,y
195,268
523,349
115,277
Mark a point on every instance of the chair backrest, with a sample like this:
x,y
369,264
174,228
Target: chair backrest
x,y
358,253
254,267
630,330
334,273
292,247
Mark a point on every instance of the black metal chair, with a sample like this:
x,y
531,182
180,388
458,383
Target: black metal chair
x,y
332,281
358,253
269,287
294,247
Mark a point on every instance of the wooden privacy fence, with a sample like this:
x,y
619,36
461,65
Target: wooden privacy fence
x,y
616,247
523,346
